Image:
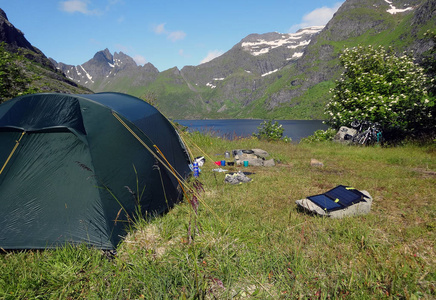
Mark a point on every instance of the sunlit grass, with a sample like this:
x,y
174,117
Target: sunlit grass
x,y
250,241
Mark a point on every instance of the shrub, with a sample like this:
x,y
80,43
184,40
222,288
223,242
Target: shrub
x,y
271,131
320,136
379,86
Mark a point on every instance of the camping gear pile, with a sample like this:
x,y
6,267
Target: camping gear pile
x,y
253,157
77,168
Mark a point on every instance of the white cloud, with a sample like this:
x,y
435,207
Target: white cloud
x,y
317,17
171,35
176,35
211,55
140,60
159,29
80,6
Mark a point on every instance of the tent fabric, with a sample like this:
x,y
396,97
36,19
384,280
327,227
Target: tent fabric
x,y
73,173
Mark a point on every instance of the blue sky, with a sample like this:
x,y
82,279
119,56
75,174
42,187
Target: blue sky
x,y
164,33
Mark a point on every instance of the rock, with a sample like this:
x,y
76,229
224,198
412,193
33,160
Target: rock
x,y
252,159
269,163
344,135
260,153
316,163
255,158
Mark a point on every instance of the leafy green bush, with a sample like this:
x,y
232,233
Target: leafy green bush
x,y
271,131
320,136
379,86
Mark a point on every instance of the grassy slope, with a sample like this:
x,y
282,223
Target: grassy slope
x,y
251,241
44,79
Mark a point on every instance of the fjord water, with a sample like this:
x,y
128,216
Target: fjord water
x,y
230,128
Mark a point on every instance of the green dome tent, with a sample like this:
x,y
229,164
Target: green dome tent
x,y
76,168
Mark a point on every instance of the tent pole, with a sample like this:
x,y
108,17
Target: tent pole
x,y
12,152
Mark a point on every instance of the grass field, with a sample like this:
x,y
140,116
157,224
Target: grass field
x,y
250,241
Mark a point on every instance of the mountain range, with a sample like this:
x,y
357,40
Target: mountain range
x,y
271,75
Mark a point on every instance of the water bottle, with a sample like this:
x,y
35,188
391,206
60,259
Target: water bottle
x,y
195,167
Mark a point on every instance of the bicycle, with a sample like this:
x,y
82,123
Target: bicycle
x,y
367,133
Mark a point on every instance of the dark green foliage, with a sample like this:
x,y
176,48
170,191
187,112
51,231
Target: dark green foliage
x,y
380,86
271,131
13,80
320,136
429,59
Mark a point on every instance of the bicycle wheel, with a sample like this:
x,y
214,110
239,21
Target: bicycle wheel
x,y
355,138
363,138
370,140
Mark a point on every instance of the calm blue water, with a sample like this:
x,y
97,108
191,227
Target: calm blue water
x,y
295,129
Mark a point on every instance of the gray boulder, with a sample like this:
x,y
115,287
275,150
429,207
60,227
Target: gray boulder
x,y
260,153
269,163
344,134
252,159
256,159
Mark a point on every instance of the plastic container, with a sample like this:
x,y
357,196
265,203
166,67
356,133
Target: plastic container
x,y
196,170
245,163
223,163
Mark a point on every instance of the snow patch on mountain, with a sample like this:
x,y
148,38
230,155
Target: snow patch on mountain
x,y
296,55
86,73
211,85
269,73
301,44
290,40
118,62
393,10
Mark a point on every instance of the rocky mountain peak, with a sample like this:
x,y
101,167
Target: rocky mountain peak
x,y
12,36
122,60
103,56
16,42
3,14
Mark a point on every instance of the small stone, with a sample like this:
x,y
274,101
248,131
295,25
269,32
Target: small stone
x,y
316,163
